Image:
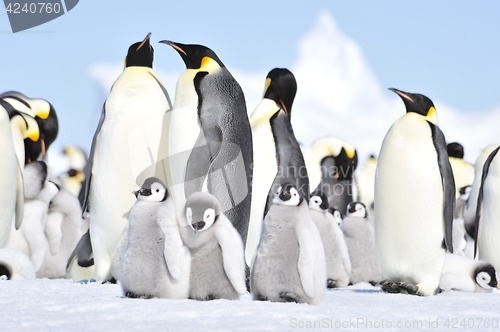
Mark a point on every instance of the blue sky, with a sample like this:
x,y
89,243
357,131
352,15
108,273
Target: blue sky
x,y
448,50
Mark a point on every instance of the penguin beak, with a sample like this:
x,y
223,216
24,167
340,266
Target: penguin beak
x,y
146,40
136,193
42,142
401,94
198,225
171,43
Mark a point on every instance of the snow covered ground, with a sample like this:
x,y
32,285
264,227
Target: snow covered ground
x,y
63,305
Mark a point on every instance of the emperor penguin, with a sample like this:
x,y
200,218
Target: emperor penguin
x,y
360,239
463,172
15,265
63,230
470,213
461,203
210,140
124,151
11,182
415,197
488,211
468,275
44,114
272,137
331,163
289,264
155,262
338,263
217,257
30,238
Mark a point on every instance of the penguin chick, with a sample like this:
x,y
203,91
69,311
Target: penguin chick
x,y
468,275
289,263
217,256
155,262
338,263
15,265
30,239
360,239
63,231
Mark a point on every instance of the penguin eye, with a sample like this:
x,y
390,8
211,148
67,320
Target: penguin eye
x,y
157,190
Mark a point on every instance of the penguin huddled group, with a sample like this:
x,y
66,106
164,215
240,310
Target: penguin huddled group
x,y
40,220
198,200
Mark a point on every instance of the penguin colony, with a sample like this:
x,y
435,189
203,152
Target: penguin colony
x,y
197,200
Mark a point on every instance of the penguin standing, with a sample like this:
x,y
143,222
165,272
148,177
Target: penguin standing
x,y
289,264
488,211
124,151
217,257
63,229
327,220
331,163
415,196
267,131
467,275
155,262
360,239
30,238
11,182
470,213
210,140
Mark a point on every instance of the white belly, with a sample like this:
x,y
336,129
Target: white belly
x,y
265,168
409,204
125,155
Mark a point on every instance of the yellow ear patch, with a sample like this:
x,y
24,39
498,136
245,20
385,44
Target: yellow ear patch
x,y
431,112
268,83
205,61
350,153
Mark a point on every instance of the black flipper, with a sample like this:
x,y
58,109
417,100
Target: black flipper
x,y
479,206
448,184
291,165
82,253
90,163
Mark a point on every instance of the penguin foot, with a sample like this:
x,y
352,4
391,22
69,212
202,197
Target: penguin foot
x,y
330,283
133,295
110,281
389,286
408,288
259,297
289,297
373,283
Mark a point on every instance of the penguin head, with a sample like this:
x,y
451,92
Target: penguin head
x,y
336,214
197,57
419,104
356,209
152,190
486,276
287,195
5,272
140,54
281,87
455,150
319,201
465,192
202,210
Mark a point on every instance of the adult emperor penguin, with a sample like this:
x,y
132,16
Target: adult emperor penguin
x,y
289,264
210,141
124,151
44,114
470,213
11,182
487,212
155,262
331,163
338,263
360,240
463,172
415,196
468,275
272,136
217,257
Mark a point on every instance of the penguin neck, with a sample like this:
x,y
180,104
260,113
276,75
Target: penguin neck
x,y
263,112
185,92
